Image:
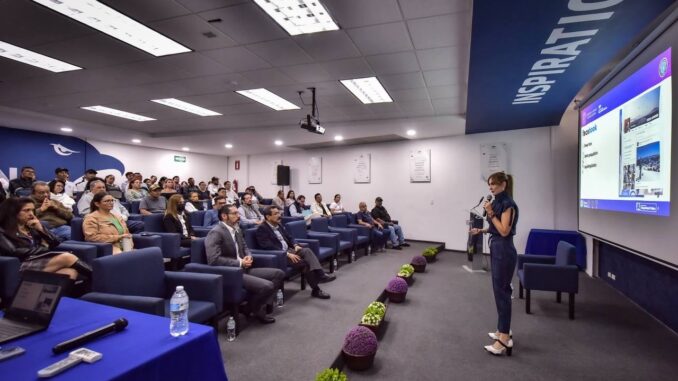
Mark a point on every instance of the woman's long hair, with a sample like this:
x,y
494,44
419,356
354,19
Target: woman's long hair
x,y
97,198
52,184
9,213
172,206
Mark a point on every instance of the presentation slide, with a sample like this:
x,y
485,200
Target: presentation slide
x,y
625,145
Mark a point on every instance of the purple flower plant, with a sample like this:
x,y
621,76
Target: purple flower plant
x,y
360,341
418,260
397,285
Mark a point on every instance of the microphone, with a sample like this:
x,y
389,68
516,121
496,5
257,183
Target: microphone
x,y
487,198
86,337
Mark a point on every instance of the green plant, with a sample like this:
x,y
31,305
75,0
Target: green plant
x,y
430,252
376,308
404,274
331,374
370,319
407,269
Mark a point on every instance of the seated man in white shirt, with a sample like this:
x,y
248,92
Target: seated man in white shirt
x,y
249,213
318,208
336,206
231,195
63,175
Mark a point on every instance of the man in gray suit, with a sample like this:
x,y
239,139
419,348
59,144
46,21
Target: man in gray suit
x,y
226,246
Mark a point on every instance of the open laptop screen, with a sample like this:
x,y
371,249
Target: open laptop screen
x,y
37,296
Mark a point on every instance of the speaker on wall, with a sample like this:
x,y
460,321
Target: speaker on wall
x,y
283,175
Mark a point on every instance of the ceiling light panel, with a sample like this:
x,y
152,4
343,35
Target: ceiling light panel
x,y
35,59
269,99
185,106
107,20
299,16
118,113
368,90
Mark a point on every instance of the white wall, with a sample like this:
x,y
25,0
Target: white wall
x,y
434,211
160,162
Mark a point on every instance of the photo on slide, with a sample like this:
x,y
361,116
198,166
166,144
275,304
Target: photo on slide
x,y
647,160
629,181
641,110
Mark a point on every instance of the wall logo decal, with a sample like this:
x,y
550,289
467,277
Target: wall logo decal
x,y
62,151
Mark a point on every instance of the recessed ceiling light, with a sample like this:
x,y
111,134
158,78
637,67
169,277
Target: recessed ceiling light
x,y
278,142
35,59
368,90
411,132
115,24
118,113
269,99
185,106
338,138
299,16
66,129
136,141
229,145
185,149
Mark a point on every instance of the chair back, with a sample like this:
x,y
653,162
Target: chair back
x,y
127,205
286,212
352,218
23,192
320,225
153,223
198,251
138,272
76,229
339,221
197,217
251,238
566,254
266,201
135,206
297,229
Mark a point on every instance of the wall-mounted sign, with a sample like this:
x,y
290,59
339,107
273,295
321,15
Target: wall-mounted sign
x,y
237,165
179,159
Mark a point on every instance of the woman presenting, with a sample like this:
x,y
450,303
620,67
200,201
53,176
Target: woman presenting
x,y
502,215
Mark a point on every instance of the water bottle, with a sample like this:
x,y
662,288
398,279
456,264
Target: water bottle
x,y
230,329
279,301
205,205
353,256
179,312
335,264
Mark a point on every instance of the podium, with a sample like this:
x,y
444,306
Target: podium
x,y
474,247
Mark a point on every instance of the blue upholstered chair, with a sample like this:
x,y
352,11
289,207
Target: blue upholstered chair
x,y
78,237
171,242
549,273
137,280
347,237
251,242
197,219
362,239
324,245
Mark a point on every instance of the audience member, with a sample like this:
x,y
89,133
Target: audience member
x,y
83,184
63,175
177,184
272,235
154,179
203,192
147,184
211,218
318,208
336,207
22,236
3,194
101,225
222,193
135,192
96,185
279,200
168,189
111,188
24,181
291,199
225,246
380,214
378,233
193,203
231,195
298,209
213,187
154,202
129,177
52,213
176,220
56,189
249,213
190,187
161,181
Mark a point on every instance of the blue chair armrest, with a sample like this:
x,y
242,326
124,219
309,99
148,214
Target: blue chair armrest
x,y
270,259
145,304
205,287
313,244
231,279
286,219
201,231
103,248
531,258
135,217
362,230
83,251
326,239
345,234
170,244
144,241
9,277
537,276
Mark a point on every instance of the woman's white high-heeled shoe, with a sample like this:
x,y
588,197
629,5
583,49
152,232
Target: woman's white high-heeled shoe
x,y
493,336
508,349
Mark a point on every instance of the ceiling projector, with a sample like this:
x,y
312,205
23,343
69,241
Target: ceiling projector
x,y
312,124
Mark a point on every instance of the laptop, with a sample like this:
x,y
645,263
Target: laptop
x,y
34,304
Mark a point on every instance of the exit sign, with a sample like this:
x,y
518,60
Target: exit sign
x,y
179,159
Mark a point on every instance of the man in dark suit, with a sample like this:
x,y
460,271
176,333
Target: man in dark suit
x,y
225,246
271,235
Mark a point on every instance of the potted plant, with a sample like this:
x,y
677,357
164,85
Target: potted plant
x,y
406,272
396,290
371,321
360,346
331,374
418,263
430,254
377,308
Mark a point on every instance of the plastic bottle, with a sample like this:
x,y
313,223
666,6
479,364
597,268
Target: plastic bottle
x,y
353,256
335,264
230,329
179,312
279,299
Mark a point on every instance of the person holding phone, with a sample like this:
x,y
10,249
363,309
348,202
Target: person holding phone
x,y
22,236
502,215
100,225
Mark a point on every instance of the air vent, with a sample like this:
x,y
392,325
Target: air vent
x,y
214,20
352,142
209,34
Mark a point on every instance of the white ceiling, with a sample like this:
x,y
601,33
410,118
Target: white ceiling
x,y
419,50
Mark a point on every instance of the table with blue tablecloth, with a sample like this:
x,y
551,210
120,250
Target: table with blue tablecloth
x,y
143,351
545,242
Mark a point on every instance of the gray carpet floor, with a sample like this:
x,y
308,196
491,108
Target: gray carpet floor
x,y
439,332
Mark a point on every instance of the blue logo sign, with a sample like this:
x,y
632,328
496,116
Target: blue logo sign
x,y
663,66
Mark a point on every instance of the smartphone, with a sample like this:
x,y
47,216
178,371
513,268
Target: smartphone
x,y
9,352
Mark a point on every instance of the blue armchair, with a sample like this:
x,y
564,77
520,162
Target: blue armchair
x,y
103,249
138,281
362,238
251,242
324,245
170,242
548,273
347,237
197,219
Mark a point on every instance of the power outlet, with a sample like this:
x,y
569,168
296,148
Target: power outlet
x,y
611,276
